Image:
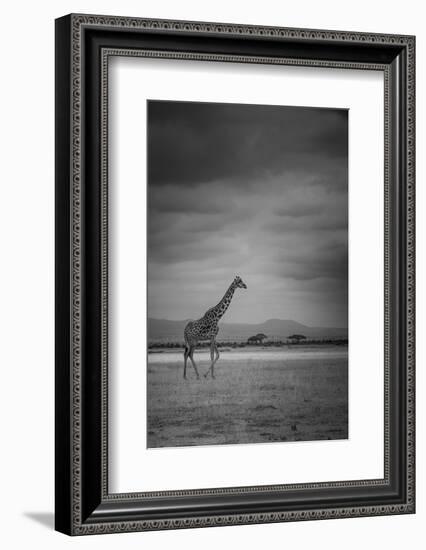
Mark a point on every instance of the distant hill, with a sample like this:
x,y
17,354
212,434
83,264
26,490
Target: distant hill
x,y
162,330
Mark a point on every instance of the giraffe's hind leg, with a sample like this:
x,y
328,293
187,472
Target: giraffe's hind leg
x,y
191,353
185,360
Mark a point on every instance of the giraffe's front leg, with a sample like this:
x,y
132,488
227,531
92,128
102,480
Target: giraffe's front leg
x,y
211,357
213,349
216,358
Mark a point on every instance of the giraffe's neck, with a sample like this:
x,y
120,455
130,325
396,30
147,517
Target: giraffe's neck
x,y
223,305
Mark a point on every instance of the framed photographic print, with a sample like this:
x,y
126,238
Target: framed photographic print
x,y
234,274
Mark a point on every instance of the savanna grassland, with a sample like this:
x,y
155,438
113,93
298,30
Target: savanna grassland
x,y
258,396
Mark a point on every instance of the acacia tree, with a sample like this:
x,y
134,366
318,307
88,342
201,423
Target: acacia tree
x,y
258,339
297,338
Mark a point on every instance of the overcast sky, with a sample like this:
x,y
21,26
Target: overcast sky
x,y
249,190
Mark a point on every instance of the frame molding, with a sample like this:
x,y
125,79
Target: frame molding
x,y
83,45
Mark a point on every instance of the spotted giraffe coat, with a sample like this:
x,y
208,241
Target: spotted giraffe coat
x,y
207,328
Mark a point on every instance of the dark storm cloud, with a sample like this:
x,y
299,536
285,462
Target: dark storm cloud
x,y
250,190
191,143
326,262
175,198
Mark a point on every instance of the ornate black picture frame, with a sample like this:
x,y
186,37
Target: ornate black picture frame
x,y
84,44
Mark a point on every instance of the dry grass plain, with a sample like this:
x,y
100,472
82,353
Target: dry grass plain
x,y
258,396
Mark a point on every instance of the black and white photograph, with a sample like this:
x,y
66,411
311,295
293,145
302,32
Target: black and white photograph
x,y
212,235
247,273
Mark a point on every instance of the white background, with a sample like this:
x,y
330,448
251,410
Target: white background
x,y
26,219
360,456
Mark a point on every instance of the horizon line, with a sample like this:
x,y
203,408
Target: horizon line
x,y
255,323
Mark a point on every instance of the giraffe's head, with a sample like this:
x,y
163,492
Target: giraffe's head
x,y
238,282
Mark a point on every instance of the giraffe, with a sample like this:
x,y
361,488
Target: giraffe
x,y
206,329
